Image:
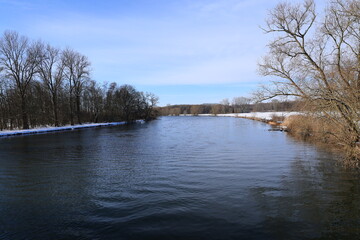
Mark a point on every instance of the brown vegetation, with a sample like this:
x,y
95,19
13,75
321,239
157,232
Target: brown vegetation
x,y
318,61
276,121
322,131
318,130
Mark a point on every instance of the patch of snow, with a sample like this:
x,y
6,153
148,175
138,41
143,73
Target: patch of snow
x,y
260,115
57,129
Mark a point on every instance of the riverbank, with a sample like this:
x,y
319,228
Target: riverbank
x,y
8,133
314,129
318,131
272,118
257,115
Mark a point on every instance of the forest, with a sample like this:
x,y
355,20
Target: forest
x,y
41,85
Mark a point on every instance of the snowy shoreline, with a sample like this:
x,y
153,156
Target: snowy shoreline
x,y
8,133
254,115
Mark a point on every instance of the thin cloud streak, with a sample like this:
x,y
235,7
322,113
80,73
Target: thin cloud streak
x,y
175,52
233,70
155,44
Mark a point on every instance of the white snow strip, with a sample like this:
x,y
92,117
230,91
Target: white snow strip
x,y
8,133
260,115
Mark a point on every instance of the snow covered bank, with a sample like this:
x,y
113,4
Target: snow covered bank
x,y
257,115
58,129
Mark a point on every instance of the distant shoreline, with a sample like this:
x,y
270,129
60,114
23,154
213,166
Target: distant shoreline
x,y
275,119
259,116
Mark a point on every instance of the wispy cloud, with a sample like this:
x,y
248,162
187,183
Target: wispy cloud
x,y
153,43
229,70
227,7
176,51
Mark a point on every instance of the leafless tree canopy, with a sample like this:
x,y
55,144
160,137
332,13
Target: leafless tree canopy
x,y
20,58
43,85
317,59
77,73
51,72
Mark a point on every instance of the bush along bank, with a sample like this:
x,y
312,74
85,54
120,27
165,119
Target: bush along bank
x,y
322,131
318,130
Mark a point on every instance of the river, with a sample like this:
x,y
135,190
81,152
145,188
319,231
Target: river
x,y
175,178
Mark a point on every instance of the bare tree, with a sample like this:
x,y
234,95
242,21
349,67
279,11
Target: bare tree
x,y
225,102
127,99
317,61
3,100
195,110
216,109
93,100
51,71
150,101
41,85
240,104
77,71
20,58
110,109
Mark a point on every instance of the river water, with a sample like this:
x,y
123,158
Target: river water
x,y
175,178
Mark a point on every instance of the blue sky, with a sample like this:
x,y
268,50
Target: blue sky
x,y
184,51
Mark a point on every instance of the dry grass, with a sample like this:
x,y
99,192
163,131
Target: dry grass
x,y
274,121
325,133
311,128
320,131
277,119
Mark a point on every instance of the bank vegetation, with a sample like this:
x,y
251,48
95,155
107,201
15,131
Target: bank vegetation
x,y
41,85
317,60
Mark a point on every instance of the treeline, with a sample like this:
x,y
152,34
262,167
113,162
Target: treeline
x,y
226,107
43,85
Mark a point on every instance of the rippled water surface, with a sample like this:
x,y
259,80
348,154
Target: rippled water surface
x,y
175,178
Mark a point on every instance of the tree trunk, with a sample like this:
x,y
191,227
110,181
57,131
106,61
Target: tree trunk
x,y
55,110
78,109
71,111
96,118
25,120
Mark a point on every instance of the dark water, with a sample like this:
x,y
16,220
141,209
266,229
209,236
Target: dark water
x,y
175,178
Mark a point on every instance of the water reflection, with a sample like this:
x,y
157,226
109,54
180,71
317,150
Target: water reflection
x,y
317,199
180,177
